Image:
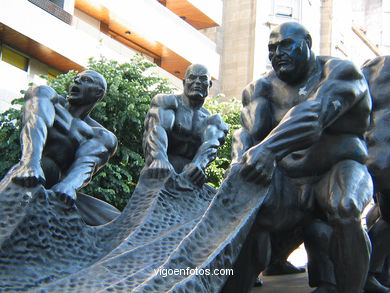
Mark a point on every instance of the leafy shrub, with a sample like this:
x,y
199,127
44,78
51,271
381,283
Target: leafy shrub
x,y
9,136
230,112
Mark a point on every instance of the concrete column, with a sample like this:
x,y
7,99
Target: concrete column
x,y
326,27
237,50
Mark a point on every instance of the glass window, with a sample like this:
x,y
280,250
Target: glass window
x,y
14,58
52,73
59,3
286,8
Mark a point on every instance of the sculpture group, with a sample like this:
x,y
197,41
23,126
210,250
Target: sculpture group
x,y
300,162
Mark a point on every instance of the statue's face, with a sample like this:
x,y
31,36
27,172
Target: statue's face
x,y
197,82
87,88
289,53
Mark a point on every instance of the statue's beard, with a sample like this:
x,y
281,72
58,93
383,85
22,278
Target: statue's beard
x,y
286,74
292,73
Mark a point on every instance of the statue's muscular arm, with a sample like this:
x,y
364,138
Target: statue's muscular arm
x,y
341,88
38,116
91,155
213,137
256,121
255,118
158,123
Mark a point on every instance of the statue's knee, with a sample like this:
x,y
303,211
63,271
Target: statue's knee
x,y
350,192
348,210
317,232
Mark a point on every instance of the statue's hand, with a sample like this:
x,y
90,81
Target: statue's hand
x,y
65,192
258,165
194,174
205,155
28,175
159,168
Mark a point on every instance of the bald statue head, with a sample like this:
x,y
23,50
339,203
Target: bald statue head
x,y
88,88
197,82
290,52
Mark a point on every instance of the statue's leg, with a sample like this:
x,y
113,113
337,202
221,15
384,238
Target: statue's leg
x,y
379,233
256,251
385,276
253,258
342,194
317,237
283,215
283,243
380,240
279,212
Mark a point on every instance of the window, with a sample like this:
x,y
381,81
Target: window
x,y
14,58
286,8
281,10
52,73
59,3
55,8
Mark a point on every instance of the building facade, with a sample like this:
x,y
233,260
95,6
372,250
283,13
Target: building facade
x,y
53,36
229,36
351,29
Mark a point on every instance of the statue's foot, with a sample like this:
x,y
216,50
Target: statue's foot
x,y
373,285
327,288
384,279
259,282
282,268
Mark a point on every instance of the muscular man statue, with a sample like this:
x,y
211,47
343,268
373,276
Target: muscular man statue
x,y
377,73
62,146
302,134
180,135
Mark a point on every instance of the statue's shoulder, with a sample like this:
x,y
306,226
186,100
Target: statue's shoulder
x,y
110,139
101,133
165,101
377,74
265,81
258,89
377,69
204,111
336,68
41,92
216,119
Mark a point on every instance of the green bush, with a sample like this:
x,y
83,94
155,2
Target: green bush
x,y
230,112
9,136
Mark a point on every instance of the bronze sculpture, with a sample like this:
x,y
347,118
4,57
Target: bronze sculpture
x,y
62,146
180,135
376,72
299,159
302,134
45,244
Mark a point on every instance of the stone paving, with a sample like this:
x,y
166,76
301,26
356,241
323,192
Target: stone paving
x,y
296,283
